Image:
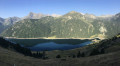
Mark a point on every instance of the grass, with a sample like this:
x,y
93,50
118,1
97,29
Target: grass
x,y
9,58
110,58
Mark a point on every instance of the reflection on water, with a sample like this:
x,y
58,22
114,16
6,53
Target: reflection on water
x,y
53,46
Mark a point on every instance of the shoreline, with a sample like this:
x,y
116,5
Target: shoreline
x,y
51,38
46,38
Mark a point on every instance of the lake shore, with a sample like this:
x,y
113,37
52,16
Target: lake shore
x,y
48,38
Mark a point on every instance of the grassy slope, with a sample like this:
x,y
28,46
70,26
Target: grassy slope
x,y
9,58
110,58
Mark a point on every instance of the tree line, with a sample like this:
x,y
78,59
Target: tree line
x,y
27,52
16,47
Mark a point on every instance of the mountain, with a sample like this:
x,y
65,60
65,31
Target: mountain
x,y
1,20
6,23
1,24
70,25
11,20
31,27
1,27
32,15
55,15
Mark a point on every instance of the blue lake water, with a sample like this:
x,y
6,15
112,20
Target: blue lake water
x,y
51,44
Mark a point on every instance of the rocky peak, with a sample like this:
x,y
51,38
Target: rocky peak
x,y
90,16
118,15
32,15
73,14
11,20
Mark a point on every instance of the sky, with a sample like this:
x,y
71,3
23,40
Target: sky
x,y
20,8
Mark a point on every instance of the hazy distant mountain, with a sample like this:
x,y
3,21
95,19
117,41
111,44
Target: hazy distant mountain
x,y
117,17
1,27
32,15
1,20
5,23
55,15
11,20
1,24
70,25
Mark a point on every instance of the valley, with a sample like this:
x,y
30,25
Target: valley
x,y
68,57
59,32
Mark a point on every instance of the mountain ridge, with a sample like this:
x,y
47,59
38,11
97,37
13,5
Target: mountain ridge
x,y
71,25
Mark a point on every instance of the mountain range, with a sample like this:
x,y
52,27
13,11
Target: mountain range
x,y
7,22
70,25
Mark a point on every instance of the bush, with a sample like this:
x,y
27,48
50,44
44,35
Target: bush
x,y
58,56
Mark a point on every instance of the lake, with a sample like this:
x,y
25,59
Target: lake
x,y
51,44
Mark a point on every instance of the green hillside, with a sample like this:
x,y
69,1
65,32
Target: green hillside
x,y
75,57
70,25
